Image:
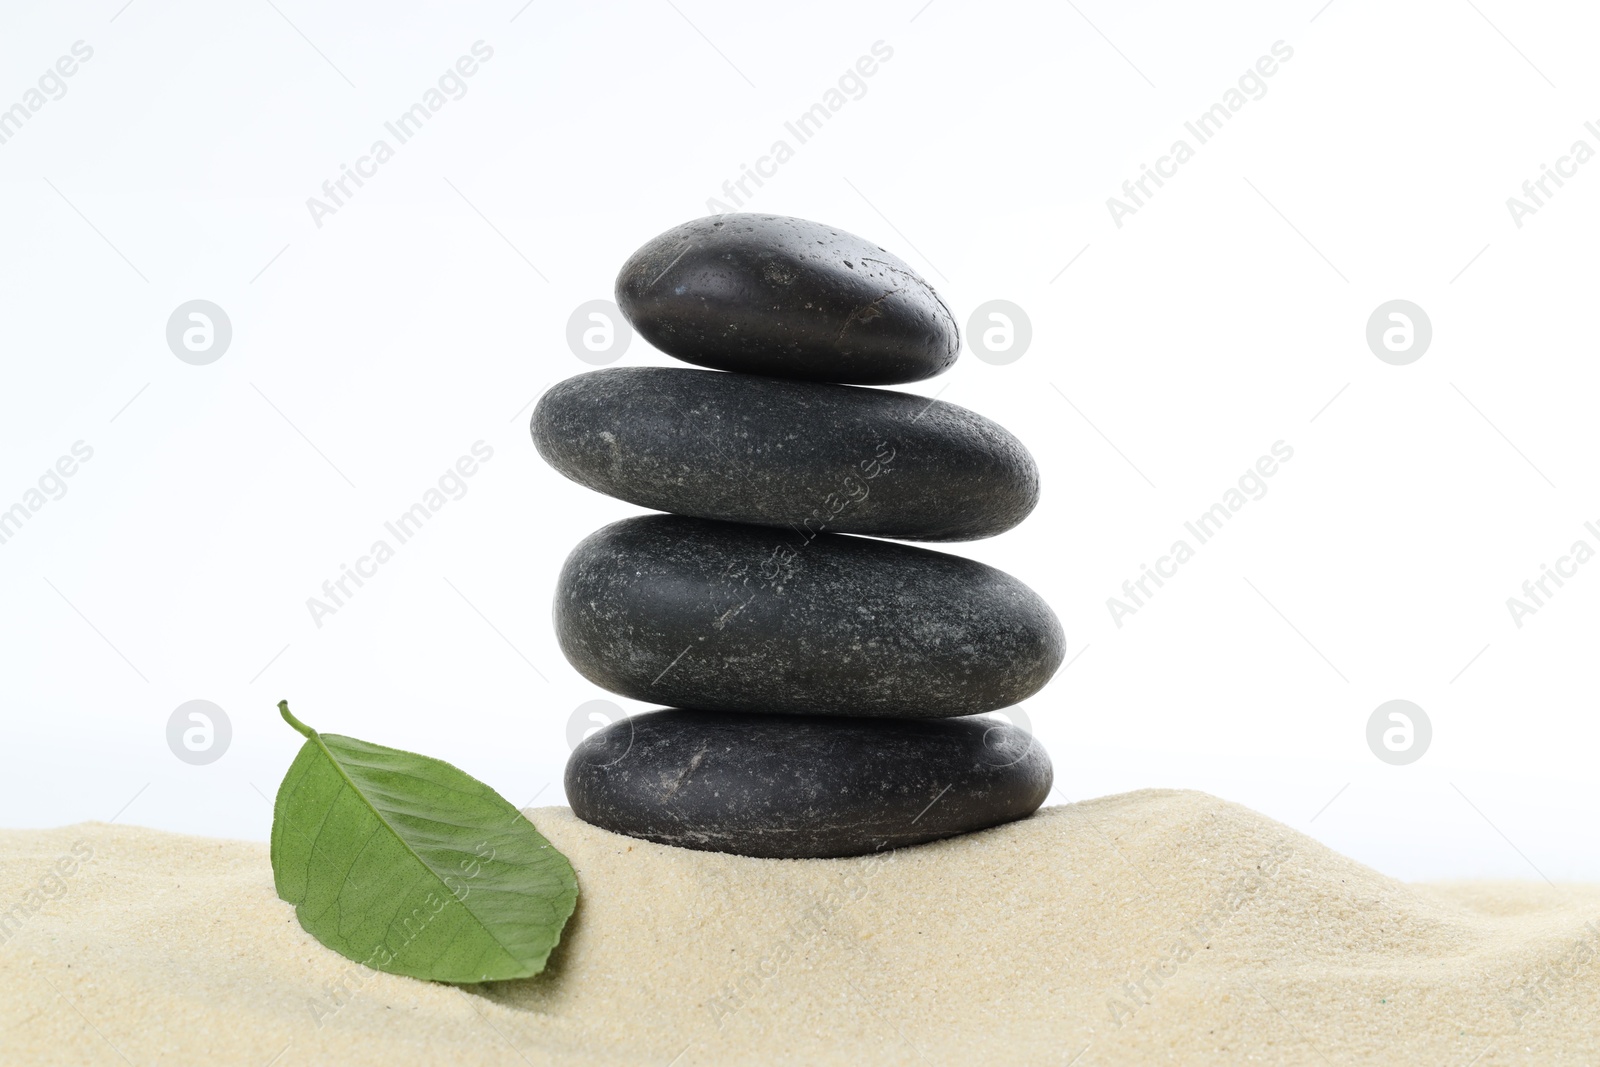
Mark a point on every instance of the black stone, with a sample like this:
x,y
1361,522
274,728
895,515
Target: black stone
x,y
803,786
766,294
794,454
725,617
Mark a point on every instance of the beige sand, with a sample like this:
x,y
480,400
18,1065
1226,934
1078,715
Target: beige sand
x,y
1155,927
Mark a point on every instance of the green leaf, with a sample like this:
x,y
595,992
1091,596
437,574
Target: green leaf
x,y
408,865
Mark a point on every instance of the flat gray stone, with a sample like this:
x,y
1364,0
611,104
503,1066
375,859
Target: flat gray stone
x,y
767,294
717,616
801,455
803,786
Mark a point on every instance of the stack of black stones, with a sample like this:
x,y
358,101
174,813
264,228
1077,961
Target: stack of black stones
x,y
822,687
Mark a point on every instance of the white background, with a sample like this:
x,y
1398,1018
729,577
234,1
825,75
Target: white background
x,y
370,353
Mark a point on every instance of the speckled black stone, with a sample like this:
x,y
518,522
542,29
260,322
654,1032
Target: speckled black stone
x,y
804,455
718,616
766,294
802,786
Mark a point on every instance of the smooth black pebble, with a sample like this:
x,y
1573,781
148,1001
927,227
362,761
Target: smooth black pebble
x,y
805,455
768,294
803,786
718,616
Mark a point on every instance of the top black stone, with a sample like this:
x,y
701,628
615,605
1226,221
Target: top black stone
x,y
767,294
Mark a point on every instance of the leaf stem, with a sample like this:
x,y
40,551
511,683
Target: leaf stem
x,y
288,717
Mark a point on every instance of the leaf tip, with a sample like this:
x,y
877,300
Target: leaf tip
x,y
288,717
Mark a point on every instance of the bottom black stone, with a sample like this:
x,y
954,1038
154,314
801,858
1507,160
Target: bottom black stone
x,y
803,785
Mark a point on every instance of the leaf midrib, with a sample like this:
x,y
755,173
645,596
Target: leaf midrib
x,y
493,938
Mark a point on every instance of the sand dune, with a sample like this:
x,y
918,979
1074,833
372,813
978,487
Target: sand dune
x,y
1153,927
